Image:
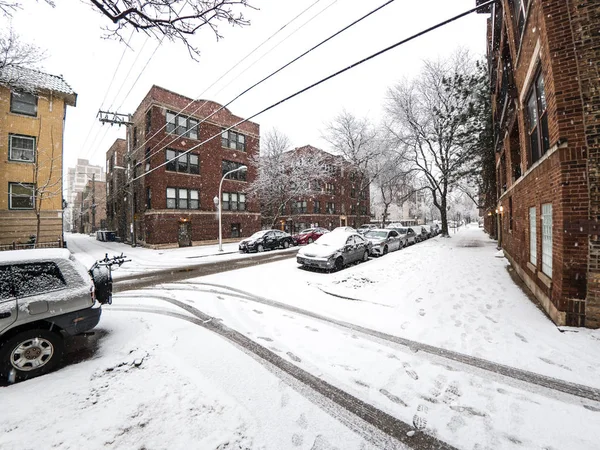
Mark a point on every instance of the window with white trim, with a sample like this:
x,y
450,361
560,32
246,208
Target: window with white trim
x,y
182,125
180,198
180,161
532,236
537,119
547,239
233,140
21,148
234,201
21,196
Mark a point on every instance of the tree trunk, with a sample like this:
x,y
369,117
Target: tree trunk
x,y
444,214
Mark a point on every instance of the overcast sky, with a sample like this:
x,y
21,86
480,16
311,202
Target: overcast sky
x,y
73,37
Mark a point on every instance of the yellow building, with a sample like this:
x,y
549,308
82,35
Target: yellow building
x,y
33,107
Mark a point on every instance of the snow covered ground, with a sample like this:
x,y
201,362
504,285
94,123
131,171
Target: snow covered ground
x,y
159,381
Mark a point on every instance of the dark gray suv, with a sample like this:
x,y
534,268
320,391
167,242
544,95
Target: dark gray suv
x,y
46,295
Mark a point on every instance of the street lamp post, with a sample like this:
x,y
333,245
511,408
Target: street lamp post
x,y
218,202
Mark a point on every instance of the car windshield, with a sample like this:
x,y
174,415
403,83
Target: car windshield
x,y
402,230
308,230
376,234
259,234
333,239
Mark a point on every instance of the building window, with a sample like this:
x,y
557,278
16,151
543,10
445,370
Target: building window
x,y
234,201
537,115
363,210
363,194
330,188
135,138
178,198
233,140
148,122
330,208
236,230
227,166
21,148
519,10
21,196
317,207
179,161
353,192
23,103
299,207
147,160
182,125
547,239
353,209
148,197
532,237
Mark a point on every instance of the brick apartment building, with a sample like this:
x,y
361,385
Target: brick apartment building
x,y
116,216
340,202
174,202
544,60
90,214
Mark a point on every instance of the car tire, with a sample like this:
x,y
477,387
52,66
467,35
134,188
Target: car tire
x,y
339,263
286,244
385,250
29,354
365,256
260,248
310,240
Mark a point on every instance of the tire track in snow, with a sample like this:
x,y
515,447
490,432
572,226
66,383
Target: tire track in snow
x,y
374,425
555,384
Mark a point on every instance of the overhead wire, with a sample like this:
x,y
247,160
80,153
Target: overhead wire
x,y
142,145
329,77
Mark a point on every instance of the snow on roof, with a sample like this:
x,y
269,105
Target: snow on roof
x,y
35,80
33,255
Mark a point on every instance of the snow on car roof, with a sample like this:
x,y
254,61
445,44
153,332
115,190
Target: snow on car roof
x,y
33,255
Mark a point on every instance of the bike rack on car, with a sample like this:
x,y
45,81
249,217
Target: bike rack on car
x,y
101,273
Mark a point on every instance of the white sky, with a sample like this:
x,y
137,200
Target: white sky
x,y
72,34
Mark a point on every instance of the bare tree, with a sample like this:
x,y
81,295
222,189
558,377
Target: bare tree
x,y
16,55
172,19
359,143
285,175
433,117
8,7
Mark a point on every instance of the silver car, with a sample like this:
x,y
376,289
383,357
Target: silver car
x,y
334,251
383,241
46,295
407,235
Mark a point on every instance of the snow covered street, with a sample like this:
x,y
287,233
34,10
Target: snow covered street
x,y
403,350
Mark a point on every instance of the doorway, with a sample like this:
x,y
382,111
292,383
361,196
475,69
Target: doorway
x,y
184,235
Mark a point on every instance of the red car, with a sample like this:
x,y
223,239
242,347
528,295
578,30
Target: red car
x,y
309,235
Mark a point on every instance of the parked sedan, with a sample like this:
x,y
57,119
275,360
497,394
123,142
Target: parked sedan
x,y
383,241
421,233
407,235
309,235
366,227
266,240
334,251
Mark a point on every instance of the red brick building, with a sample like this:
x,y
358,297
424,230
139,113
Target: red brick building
x,y
173,201
116,216
544,60
340,202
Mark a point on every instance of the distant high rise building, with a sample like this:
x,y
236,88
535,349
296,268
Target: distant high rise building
x,y
77,178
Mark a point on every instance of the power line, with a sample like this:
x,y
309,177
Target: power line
x,y
229,70
329,77
314,47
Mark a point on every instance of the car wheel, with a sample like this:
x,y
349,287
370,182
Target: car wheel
x,y
260,248
310,240
339,263
30,354
365,256
286,244
385,250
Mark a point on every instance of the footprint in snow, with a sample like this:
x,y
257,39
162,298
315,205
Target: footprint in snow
x,y
311,328
297,439
410,372
520,336
420,417
361,383
265,338
293,357
257,311
451,393
405,325
419,300
421,312
392,397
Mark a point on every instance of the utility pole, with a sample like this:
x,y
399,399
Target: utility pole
x,y
119,119
93,202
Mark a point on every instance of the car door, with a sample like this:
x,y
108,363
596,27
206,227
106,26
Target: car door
x,y
270,240
349,250
360,245
393,240
8,300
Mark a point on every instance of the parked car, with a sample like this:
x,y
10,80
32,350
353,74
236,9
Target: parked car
x,y
344,229
266,240
384,241
46,296
406,234
309,235
335,250
428,232
366,227
435,229
420,232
